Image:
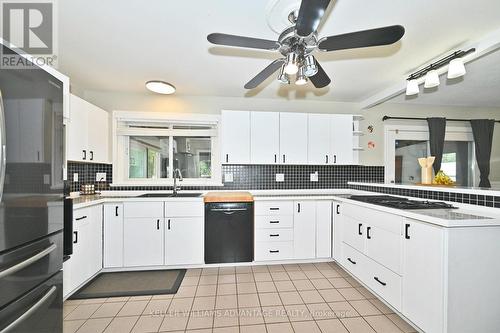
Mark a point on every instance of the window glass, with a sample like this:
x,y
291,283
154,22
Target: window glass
x,y
407,169
148,157
458,161
193,156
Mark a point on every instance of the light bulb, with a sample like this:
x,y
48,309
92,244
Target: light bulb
x,y
291,66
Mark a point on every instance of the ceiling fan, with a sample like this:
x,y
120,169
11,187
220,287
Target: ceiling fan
x,y
297,43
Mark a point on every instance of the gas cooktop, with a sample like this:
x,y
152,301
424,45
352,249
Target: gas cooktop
x,y
401,203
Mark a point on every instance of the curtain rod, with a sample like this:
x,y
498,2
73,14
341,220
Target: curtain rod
x,y
412,118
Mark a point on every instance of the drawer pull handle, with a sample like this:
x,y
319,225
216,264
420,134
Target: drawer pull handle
x,y
338,211
368,232
81,218
116,211
157,224
274,208
351,261
274,222
274,251
274,235
382,283
407,235
76,237
359,229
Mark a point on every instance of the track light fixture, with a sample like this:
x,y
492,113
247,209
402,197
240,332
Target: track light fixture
x,y
412,88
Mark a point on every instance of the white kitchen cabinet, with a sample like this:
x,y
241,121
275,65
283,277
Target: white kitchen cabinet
x,y
324,229
184,239
264,137
304,230
235,137
342,139
337,231
293,138
113,235
319,139
87,132
423,275
143,240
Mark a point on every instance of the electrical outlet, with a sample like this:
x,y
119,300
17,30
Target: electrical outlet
x,y
100,176
46,179
75,177
314,177
228,177
280,177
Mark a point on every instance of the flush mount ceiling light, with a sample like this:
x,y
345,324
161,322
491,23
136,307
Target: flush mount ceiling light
x,y
456,69
301,77
160,87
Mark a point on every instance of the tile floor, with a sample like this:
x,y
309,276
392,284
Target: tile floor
x,y
296,298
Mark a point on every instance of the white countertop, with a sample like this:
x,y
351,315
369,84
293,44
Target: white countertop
x,y
464,216
453,189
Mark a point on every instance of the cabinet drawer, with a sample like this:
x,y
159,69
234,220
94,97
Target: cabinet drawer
x,y
184,208
81,216
143,209
353,261
274,208
385,283
387,221
274,235
273,251
277,221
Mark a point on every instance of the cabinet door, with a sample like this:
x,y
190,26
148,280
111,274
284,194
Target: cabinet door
x,y
337,231
142,242
319,139
304,230
342,139
384,247
184,241
324,229
78,265
94,250
77,130
235,137
293,138
264,137
423,275
353,233
98,134
113,235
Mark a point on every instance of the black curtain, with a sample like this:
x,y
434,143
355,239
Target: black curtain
x,y
437,130
483,139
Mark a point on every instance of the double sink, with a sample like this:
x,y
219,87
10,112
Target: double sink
x,y
170,195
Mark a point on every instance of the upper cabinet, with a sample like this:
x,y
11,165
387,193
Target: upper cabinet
x,y
235,137
319,139
264,137
342,138
87,132
293,138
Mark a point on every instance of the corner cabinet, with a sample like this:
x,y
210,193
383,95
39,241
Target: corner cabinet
x,y
87,132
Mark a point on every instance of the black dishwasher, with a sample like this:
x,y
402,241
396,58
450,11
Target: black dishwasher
x,y
229,232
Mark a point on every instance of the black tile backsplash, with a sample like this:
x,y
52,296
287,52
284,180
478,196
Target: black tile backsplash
x,y
467,198
246,177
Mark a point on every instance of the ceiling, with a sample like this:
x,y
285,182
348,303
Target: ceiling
x,y
478,88
117,45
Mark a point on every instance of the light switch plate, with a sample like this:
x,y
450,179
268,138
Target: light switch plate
x,y
100,176
314,177
75,177
46,179
280,177
228,177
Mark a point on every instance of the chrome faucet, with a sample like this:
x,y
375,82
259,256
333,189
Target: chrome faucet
x,y
177,173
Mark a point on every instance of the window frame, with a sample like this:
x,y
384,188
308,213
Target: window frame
x,y
121,136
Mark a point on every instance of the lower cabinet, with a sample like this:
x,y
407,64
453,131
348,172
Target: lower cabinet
x,y
143,240
184,240
324,229
304,230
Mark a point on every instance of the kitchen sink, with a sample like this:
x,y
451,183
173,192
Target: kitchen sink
x,y
170,195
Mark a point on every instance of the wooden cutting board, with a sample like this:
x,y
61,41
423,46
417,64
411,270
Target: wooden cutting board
x,y
228,197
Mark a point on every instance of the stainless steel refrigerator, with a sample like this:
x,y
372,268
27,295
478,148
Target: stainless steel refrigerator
x,y
31,201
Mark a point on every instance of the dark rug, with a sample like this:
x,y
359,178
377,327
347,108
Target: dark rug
x,y
135,283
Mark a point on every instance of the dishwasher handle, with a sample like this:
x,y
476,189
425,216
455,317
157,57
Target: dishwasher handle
x,y
228,211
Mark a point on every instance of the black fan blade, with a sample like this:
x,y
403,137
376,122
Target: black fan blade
x,y
365,38
265,73
310,14
233,40
320,79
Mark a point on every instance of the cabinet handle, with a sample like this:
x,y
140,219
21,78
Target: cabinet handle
x,y
76,237
38,155
81,218
91,155
116,211
84,154
283,158
407,235
168,224
157,224
274,222
338,207
298,208
274,208
274,251
334,159
275,158
359,229
227,158
382,283
326,159
351,261
368,232
274,235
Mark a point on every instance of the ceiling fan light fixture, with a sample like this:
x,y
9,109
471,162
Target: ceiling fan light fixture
x,y
456,68
412,87
301,77
282,76
431,79
291,65
160,87
310,67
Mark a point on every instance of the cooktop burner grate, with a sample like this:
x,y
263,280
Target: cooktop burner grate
x,y
401,203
